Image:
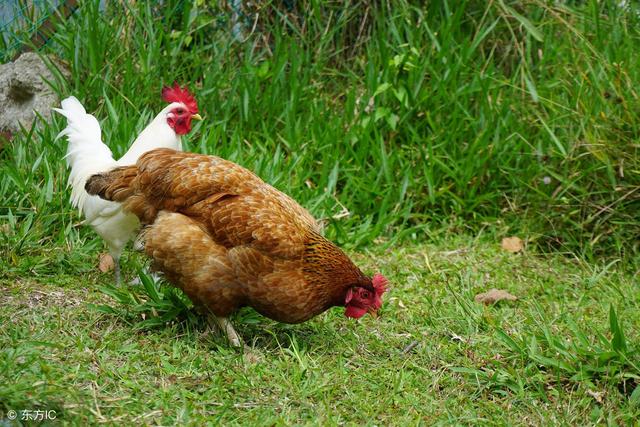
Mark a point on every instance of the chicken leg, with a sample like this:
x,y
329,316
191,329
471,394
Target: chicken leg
x,y
224,325
116,269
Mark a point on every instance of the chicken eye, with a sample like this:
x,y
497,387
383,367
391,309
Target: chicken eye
x,y
179,111
365,294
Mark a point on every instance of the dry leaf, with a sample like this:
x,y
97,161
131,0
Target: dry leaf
x,y
106,263
495,295
512,244
398,301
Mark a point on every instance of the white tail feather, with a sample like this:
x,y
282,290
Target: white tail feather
x,y
86,153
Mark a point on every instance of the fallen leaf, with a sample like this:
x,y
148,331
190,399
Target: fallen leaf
x,y
495,295
106,263
512,244
398,301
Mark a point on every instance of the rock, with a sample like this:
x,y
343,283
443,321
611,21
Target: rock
x,y
24,91
106,262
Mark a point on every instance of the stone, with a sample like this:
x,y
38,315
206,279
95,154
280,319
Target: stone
x,y
24,92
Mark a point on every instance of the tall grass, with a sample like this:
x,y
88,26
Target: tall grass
x,y
386,121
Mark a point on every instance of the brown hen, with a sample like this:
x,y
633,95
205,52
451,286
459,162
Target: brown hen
x,y
229,240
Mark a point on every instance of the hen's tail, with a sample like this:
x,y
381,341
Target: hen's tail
x,y
115,185
119,185
86,153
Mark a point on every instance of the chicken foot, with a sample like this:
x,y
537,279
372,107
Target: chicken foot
x,y
224,325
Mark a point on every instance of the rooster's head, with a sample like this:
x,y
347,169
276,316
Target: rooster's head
x,y
183,108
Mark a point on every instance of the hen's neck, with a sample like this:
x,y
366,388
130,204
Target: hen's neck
x,y
329,269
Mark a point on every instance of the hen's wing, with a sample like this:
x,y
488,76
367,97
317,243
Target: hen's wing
x,y
221,279
219,226
232,203
173,180
193,261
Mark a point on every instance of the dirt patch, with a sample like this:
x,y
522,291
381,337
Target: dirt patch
x,y
22,293
58,298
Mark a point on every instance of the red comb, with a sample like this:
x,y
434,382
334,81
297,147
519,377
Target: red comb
x,y
380,286
178,94
379,283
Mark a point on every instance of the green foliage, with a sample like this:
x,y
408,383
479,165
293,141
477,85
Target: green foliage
x,y
433,356
150,305
576,358
384,122
392,124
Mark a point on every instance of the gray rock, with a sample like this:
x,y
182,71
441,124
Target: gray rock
x,y
23,92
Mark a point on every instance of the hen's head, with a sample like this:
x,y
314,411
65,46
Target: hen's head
x,y
182,110
365,298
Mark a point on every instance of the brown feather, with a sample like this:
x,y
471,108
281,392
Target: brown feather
x,y
228,239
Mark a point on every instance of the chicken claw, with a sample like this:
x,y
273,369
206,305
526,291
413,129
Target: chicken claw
x,y
224,325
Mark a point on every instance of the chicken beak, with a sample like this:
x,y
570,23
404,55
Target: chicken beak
x,y
373,312
196,117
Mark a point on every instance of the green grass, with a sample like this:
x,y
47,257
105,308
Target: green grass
x,y
548,358
421,136
407,118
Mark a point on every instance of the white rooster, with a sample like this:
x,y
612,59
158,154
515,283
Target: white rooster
x,y
88,155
